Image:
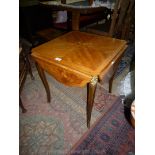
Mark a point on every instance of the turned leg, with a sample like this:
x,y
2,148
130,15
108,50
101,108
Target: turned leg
x,y
45,83
91,87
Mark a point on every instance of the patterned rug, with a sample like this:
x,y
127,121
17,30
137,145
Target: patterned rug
x,y
111,135
53,128
126,59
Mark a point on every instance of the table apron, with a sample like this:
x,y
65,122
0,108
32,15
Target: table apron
x,y
65,75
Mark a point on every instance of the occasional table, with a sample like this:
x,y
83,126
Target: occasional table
x,y
78,59
76,10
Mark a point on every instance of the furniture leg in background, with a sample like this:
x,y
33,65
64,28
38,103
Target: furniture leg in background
x,y
22,78
24,67
29,67
75,20
113,75
45,83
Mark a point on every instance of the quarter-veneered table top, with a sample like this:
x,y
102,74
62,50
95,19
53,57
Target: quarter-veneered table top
x,y
87,53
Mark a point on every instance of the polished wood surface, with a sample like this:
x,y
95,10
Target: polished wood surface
x,y
79,58
64,74
81,55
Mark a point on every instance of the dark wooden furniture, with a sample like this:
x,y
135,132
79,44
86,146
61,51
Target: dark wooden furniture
x,y
76,11
76,59
49,34
120,23
24,68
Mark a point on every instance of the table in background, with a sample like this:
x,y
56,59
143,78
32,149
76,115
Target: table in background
x,y
75,10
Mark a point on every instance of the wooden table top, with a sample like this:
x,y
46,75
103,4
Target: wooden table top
x,y
82,52
69,7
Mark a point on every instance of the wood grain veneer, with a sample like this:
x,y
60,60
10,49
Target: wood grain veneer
x,y
81,53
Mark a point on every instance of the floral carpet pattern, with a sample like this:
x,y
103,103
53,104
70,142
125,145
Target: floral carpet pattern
x,y
40,134
111,135
53,128
126,59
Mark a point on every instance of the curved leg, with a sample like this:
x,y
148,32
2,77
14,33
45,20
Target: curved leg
x,y
29,67
91,88
114,69
22,78
45,83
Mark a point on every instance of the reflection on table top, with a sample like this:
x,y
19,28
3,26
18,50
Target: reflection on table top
x,y
87,53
